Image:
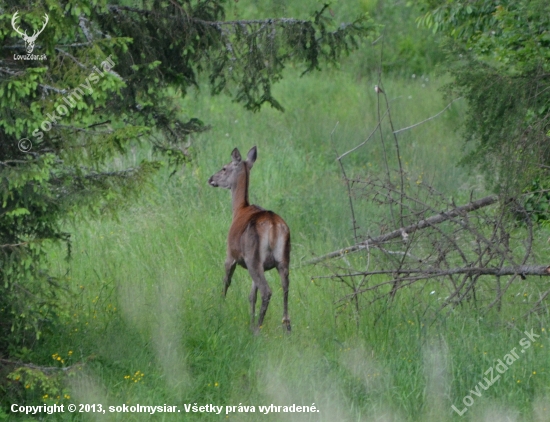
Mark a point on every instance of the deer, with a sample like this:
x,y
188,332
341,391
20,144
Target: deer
x,y
258,240
29,41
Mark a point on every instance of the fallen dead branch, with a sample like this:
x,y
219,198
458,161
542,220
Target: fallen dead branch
x,y
45,369
522,270
405,231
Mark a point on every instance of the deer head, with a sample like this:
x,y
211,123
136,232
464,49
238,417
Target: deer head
x,y
29,41
228,175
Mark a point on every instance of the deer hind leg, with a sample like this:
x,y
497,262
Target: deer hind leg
x,y
253,297
260,283
230,265
283,273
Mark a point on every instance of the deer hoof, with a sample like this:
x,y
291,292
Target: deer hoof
x,y
286,323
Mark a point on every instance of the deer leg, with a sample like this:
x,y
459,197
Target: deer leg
x,y
253,297
230,265
265,293
260,282
283,273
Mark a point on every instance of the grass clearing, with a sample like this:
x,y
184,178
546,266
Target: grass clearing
x,y
150,323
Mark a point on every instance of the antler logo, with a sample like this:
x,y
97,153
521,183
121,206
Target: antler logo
x,y
29,41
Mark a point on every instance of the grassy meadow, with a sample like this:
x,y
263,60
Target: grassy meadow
x,y
147,316
147,322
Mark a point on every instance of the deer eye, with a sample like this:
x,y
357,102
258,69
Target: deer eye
x,y
223,169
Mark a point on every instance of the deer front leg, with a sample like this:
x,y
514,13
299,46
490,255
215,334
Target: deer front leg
x,y
230,265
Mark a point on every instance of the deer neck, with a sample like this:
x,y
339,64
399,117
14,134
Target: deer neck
x,y
239,191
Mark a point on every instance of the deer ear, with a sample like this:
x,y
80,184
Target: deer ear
x,y
251,156
236,156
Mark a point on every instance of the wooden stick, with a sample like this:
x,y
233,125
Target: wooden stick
x,y
422,224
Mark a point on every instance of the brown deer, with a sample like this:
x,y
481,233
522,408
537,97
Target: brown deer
x,y
258,240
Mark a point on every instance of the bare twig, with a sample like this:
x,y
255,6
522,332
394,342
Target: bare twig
x,y
14,245
427,120
82,23
398,156
353,220
73,58
537,304
365,141
41,368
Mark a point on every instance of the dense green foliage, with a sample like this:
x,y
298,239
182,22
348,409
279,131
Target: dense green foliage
x,y
500,58
513,35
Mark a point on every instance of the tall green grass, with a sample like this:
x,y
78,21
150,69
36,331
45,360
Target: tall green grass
x,y
150,324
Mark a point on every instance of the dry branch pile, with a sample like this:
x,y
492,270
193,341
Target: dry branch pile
x,y
425,236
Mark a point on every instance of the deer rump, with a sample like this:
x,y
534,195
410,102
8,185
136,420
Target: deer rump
x,y
260,235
